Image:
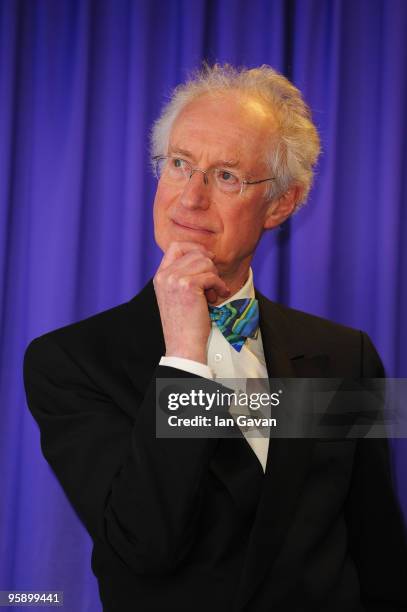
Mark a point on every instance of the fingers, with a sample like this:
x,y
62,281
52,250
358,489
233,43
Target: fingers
x,y
176,250
211,296
189,267
193,262
211,283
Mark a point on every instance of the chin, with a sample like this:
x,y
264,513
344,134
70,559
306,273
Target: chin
x,y
205,241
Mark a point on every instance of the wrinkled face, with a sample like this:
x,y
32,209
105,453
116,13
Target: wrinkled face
x,y
217,132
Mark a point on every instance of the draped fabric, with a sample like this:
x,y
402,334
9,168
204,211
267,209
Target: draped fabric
x,y
80,83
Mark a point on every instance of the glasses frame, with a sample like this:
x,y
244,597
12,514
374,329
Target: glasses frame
x,y
157,158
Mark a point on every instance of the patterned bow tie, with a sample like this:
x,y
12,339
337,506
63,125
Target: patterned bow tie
x,y
237,320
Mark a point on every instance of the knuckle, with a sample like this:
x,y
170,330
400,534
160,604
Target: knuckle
x,y
185,283
171,280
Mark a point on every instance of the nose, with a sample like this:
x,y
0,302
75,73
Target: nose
x,y
196,191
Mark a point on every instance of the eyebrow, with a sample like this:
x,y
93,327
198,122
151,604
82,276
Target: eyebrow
x,y
227,163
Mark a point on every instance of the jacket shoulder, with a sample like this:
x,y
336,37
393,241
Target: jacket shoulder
x,y
107,323
106,332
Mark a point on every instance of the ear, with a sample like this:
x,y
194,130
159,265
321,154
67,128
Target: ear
x,y
283,207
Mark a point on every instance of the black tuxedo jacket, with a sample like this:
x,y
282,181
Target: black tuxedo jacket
x,y
195,524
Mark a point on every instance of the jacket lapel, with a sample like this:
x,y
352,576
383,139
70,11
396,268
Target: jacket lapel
x,y
288,459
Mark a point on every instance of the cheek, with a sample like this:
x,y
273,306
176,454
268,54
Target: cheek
x,y
242,225
242,232
161,202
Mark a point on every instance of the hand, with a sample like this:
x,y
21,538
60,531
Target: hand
x,y
185,281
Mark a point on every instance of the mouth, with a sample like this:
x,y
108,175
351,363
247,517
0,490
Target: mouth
x,y
192,227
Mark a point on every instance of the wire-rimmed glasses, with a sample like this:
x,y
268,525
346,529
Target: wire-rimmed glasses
x,y
176,170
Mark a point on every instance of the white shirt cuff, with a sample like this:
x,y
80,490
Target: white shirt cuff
x,y
187,365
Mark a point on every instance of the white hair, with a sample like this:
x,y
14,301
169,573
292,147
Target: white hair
x,y
294,140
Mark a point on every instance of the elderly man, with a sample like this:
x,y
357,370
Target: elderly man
x,y
240,524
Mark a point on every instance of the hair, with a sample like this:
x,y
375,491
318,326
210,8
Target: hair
x,y
294,140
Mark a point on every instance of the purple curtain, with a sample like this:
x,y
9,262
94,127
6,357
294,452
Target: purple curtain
x,y
80,83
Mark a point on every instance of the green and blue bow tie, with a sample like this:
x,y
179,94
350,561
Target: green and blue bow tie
x,y
237,320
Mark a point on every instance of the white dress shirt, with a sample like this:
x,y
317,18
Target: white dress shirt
x,y
225,362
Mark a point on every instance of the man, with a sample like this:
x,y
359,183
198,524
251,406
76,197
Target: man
x,y
242,524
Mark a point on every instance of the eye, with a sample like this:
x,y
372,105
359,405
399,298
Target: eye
x,y
178,168
226,177
179,164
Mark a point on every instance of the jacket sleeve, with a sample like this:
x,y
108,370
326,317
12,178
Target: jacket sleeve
x,y
137,493
376,529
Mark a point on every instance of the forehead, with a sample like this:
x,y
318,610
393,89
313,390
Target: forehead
x,y
223,127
